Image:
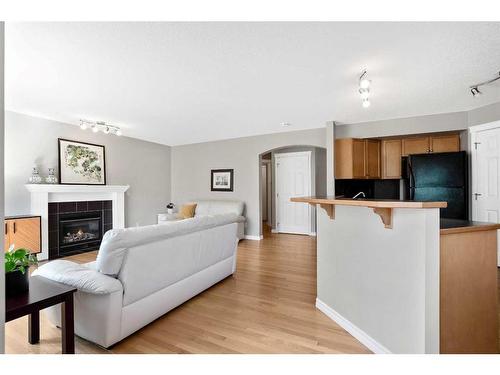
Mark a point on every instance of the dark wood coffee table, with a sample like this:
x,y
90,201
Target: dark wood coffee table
x,y
44,293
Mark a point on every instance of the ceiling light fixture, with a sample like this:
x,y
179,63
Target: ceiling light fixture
x,y
474,89
97,126
364,82
364,89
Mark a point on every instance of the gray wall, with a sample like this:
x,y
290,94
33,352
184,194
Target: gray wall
x,y
484,114
191,165
2,275
410,125
145,166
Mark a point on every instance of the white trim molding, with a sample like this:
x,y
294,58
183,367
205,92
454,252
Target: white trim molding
x,y
253,238
356,332
43,194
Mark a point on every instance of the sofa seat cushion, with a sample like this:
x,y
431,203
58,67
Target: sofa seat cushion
x,y
116,241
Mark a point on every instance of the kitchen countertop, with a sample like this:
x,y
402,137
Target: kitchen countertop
x,y
451,226
372,203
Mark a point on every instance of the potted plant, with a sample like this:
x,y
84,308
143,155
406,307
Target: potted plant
x,y
17,263
170,208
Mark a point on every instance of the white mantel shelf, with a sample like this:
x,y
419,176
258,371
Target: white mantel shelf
x,y
57,188
43,194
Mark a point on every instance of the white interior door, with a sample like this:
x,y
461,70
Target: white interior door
x,y
293,179
486,175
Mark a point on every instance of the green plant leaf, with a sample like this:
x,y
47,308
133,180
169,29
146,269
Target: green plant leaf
x,y
20,253
9,266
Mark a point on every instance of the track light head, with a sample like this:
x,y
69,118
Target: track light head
x,y
475,91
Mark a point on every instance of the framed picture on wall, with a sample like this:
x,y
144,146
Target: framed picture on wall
x,y
222,180
81,163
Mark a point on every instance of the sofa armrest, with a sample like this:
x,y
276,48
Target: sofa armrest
x,y
83,278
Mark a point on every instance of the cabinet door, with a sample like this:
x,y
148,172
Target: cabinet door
x,y
445,143
7,226
25,233
415,145
343,158
358,158
372,158
391,158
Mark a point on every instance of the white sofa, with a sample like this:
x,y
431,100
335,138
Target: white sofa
x,y
142,273
212,207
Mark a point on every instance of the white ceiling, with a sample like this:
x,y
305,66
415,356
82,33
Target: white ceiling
x,y
179,83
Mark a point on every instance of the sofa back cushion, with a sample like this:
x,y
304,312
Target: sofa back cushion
x,y
117,242
148,268
218,207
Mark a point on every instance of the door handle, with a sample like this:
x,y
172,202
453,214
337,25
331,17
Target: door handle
x,y
477,195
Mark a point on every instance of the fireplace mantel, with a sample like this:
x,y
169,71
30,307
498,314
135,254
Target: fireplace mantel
x,y
43,194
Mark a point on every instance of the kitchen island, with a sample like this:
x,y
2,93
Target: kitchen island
x,y
401,280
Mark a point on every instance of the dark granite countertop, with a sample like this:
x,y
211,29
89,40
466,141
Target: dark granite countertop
x,y
449,226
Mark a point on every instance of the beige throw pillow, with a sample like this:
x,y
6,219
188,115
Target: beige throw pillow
x,y
187,210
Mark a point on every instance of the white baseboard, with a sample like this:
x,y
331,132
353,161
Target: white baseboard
x,y
356,332
253,238
312,234
274,231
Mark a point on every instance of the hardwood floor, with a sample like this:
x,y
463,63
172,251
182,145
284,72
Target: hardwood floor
x,y
267,306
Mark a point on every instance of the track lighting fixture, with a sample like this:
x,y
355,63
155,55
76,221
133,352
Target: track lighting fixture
x,y
97,126
474,89
364,89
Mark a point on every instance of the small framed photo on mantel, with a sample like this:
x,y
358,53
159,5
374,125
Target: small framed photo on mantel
x,y
222,179
81,163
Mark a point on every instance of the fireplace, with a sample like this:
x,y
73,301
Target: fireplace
x,y
76,227
79,231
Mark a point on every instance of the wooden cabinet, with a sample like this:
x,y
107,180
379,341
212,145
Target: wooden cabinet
x,y
415,145
23,232
357,158
430,144
391,158
372,158
445,143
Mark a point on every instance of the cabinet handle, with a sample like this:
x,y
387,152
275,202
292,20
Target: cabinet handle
x,y
6,228
14,227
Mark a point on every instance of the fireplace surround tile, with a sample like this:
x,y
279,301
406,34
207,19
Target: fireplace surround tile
x,y
66,207
81,206
94,205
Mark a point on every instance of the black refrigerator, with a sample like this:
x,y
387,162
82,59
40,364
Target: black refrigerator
x,y
440,177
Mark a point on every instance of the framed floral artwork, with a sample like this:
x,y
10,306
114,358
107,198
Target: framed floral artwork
x,y
81,163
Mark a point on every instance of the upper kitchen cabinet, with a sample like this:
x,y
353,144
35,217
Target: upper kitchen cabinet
x,y
357,158
391,158
445,143
430,144
372,158
415,145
